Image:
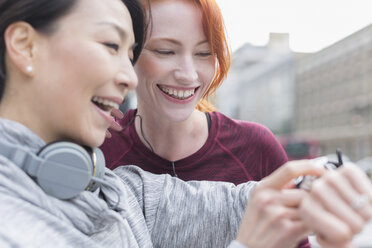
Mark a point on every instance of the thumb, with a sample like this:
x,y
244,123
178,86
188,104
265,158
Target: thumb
x,y
291,170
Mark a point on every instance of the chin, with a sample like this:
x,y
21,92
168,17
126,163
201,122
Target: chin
x,y
97,141
94,139
179,115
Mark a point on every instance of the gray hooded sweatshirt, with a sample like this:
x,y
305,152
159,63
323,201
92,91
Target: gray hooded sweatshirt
x,y
154,210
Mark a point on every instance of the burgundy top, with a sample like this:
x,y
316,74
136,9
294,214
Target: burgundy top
x,y
235,151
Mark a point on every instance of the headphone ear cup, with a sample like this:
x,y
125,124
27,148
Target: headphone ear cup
x,y
66,170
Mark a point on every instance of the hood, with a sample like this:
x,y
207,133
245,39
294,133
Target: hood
x,y
87,212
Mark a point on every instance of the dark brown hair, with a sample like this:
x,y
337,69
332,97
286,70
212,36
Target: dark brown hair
x,y
43,15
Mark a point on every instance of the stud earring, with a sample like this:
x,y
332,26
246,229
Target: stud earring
x,y
29,68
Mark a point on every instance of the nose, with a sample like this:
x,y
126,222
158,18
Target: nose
x,y
186,71
127,77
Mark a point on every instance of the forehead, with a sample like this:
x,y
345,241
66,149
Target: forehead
x,y
87,13
176,17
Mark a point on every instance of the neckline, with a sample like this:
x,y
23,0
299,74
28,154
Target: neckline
x,y
184,162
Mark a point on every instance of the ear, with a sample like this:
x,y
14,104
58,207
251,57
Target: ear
x,y
19,41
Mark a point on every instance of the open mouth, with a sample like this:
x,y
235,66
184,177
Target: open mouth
x,y
177,93
104,104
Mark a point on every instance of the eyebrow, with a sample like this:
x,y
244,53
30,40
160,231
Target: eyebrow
x,y
122,32
176,42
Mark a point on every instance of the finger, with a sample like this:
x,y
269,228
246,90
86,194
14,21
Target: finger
x,y
117,114
326,244
336,205
293,169
278,213
291,197
108,134
263,218
323,223
287,220
358,179
347,191
115,126
295,231
274,205
302,231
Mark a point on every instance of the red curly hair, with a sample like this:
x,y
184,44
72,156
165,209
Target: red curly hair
x,y
214,29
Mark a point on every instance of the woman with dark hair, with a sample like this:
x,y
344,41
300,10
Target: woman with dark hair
x,y
65,66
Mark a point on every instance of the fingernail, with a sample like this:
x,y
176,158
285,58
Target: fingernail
x,y
320,161
116,125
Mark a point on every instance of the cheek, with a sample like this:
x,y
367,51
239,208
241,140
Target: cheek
x,y
83,62
149,68
148,71
91,66
208,72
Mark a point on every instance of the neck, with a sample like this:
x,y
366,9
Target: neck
x,y
18,108
172,140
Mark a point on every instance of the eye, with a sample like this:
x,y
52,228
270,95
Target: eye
x,y
164,52
131,56
112,46
204,54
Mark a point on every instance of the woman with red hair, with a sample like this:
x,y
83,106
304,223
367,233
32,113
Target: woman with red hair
x,y
175,128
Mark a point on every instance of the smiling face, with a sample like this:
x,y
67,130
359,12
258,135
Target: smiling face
x,y
81,71
176,65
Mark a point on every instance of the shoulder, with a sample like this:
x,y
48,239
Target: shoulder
x,y
250,135
241,128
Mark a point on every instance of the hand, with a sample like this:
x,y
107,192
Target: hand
x,y
272,218
338,206
114,125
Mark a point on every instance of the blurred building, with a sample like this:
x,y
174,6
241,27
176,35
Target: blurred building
x,y
228,101
334,96
130,102
260,84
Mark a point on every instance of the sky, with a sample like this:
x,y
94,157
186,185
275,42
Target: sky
x,y
312,24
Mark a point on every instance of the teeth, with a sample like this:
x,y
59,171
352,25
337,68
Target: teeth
x,y
179,94
105,102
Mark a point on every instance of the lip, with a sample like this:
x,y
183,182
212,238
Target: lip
x,y
117,100
178,88
179,101
108,118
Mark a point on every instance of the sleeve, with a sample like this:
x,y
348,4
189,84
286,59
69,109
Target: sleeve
x,y
274,156
187,214
272,153
236,244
